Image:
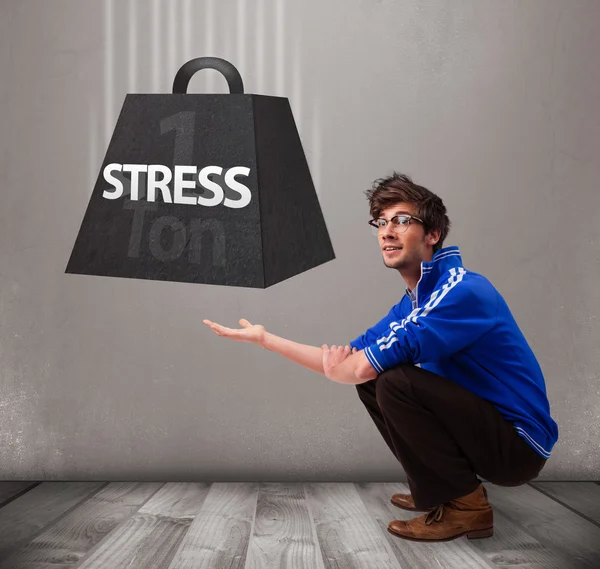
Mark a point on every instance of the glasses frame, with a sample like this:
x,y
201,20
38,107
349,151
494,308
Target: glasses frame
x,y
374,223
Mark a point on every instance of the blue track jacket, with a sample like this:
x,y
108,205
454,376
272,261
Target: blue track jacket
x,y
461,328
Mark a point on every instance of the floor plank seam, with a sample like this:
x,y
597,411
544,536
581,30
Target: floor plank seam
x,y
252,525
162,485
19,494
26,541
554,548
93,549
380,525
313,526
586,518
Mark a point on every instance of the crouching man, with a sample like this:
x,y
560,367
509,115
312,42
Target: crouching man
x,y
447,376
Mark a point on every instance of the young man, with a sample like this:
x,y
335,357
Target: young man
x,y
447,376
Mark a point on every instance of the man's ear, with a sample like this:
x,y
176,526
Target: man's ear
x,y
433,236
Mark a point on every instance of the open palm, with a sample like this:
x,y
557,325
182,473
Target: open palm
x,y
254,333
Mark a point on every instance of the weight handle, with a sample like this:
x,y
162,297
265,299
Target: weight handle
x,y
182,79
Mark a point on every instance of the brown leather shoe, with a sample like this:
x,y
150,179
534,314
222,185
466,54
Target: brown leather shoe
x,y
405,501
469,515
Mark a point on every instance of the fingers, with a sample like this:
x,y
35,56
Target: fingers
x,y
346,348
217,328
229,332
222,330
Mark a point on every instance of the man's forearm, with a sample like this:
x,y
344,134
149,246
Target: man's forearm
x,y
345,372
310,357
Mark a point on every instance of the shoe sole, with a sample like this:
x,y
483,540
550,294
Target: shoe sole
x,y
474,534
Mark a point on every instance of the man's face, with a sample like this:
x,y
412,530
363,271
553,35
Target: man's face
x,y
411,247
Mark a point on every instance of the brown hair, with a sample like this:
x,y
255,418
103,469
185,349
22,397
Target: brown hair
x,y
400,188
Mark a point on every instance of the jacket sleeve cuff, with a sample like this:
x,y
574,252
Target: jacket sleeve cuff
x,y
369,352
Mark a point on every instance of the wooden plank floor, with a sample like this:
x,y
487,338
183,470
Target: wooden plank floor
x,y
154,525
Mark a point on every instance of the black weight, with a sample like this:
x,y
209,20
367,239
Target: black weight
x,y
280,232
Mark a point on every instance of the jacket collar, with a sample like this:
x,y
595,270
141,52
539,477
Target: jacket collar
x,y
431,271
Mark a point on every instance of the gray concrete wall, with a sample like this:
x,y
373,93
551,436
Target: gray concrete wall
x,y
492,105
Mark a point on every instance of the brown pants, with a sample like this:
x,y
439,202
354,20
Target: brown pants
x,y
445,436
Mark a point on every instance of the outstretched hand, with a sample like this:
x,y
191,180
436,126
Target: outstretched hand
x,y
335,356
254,333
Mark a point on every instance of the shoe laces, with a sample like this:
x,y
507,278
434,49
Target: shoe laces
x,y
435,515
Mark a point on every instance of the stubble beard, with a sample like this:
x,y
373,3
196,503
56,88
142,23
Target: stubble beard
x,y
397,263
404,262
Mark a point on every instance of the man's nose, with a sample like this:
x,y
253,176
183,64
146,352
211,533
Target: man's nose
x,y
388,231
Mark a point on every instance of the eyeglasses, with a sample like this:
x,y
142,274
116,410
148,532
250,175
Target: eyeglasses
x,y
399,223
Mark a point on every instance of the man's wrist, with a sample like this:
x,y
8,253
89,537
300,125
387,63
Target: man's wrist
x,y
263,343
